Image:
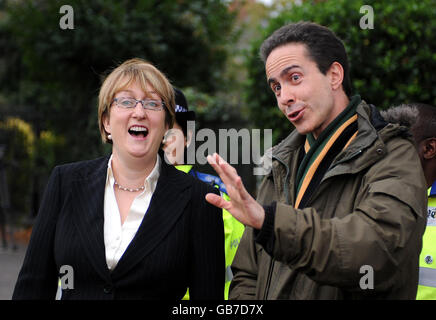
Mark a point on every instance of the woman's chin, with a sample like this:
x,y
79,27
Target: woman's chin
x,y
141,153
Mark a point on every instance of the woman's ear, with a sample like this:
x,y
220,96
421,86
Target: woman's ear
x,y
106,123
336,74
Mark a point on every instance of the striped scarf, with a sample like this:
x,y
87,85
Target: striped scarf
x,y
320,153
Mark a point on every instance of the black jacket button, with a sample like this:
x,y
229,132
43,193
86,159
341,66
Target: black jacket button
x,y
107,288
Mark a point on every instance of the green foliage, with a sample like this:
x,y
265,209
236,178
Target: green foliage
x,y
57,73
19,139
210,109
391,64
51,77
48,146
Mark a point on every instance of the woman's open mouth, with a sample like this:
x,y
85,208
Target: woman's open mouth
x,y
138,132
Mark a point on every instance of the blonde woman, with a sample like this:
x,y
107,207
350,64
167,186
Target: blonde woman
x,y
128,225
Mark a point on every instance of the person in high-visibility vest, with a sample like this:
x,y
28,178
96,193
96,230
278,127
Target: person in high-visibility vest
x,y
427,259
175,147
421,118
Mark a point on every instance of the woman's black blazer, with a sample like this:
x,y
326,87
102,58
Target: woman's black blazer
x,y
179,244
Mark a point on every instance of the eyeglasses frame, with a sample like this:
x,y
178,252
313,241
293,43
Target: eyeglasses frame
x,y
162,103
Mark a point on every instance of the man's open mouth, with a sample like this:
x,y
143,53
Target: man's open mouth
x,y
138,131
294,114
297,111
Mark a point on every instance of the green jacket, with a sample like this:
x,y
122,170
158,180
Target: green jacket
x,y
369,210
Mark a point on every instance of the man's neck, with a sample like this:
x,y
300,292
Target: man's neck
x,y
340,102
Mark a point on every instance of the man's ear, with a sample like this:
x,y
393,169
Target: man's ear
x,y
429,148
336,74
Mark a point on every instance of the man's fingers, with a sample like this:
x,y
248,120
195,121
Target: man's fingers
x,y
212,161
234,180
229,175
243,193
225,166
219,165
226,169
217,201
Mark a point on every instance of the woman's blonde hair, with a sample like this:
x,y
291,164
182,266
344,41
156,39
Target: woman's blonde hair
x,y
142,73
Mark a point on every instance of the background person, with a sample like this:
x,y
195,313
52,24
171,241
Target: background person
x,y
421,118
346,189
110,219
175,146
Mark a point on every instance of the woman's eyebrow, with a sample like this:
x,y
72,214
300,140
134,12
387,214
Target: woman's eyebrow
x,y
148,93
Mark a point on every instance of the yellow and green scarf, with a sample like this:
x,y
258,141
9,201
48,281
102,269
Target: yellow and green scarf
x,y
320,153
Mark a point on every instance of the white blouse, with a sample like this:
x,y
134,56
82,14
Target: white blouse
x,y
117,237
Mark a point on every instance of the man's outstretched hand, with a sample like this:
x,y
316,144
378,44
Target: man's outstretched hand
x,y
242,205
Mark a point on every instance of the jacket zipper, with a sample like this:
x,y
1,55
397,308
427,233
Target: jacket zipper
x,y
268,280
271,266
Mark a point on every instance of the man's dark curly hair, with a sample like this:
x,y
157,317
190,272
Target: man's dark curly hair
x,y
323,46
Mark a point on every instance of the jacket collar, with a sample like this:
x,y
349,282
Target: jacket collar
x,y
285,154
87,195
159,219
366,149
88,199
369,120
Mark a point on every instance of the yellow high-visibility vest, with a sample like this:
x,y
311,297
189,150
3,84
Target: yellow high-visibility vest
x,y
427,259
233,231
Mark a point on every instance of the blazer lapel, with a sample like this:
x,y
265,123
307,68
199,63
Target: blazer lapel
x,y
88,200
166,206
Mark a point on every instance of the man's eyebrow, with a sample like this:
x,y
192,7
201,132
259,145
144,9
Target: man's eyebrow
x,y
282,73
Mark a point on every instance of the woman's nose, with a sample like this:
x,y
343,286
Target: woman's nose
x,y
139,110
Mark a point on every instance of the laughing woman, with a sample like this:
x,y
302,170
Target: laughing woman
x,y
128,226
